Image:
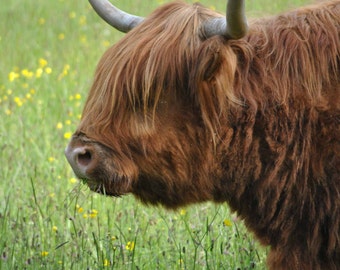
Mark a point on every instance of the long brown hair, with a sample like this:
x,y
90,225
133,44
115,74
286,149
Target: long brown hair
x,y
165,58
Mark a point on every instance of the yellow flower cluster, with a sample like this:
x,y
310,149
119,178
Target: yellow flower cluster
x,y
25,78
30,74
60,125
19,80
82,19
75,97
16,99
93,213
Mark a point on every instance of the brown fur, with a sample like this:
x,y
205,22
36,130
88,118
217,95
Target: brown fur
x,y
176,119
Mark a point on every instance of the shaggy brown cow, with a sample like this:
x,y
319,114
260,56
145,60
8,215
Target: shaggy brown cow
x,y
184,109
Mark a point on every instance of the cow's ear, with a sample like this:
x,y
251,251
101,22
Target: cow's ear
x,y
212,79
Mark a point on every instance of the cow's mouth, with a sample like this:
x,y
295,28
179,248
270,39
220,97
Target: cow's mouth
x,y
113,187
92,164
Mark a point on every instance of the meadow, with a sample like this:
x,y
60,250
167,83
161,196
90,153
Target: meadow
x,y
48,220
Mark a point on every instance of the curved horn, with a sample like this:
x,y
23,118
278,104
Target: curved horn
x,y
117,18
234,27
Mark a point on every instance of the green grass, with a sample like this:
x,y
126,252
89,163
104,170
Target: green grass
x,y
49,50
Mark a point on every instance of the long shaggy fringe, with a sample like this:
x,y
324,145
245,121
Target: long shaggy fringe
x,y
161,61
165,60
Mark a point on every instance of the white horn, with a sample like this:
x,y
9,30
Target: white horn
x,y
117,18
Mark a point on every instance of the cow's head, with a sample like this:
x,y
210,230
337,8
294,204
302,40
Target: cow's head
x,y
150,121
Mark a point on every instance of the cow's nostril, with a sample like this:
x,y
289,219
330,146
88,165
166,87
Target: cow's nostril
x,y
84,159
80,159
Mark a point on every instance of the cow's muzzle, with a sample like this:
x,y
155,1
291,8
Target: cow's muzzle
x,y
80,159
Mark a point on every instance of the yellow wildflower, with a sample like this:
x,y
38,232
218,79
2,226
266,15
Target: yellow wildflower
x,y
82,20
44,253
59,125
64,72
13,75
79,208
130,246
42,62
106,262
73,180
38,72
61,36
26,73
72,15
93,213
67,135
41,21
18,101
106,43
77,96
227,223
83,39
182,212
66,69
48,70
55,228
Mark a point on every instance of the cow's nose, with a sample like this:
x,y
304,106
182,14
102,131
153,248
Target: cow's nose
x,y
80,159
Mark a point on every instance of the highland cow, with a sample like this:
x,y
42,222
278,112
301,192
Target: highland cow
x,y
190,106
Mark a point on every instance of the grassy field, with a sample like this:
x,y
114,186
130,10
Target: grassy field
x,y
48,220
